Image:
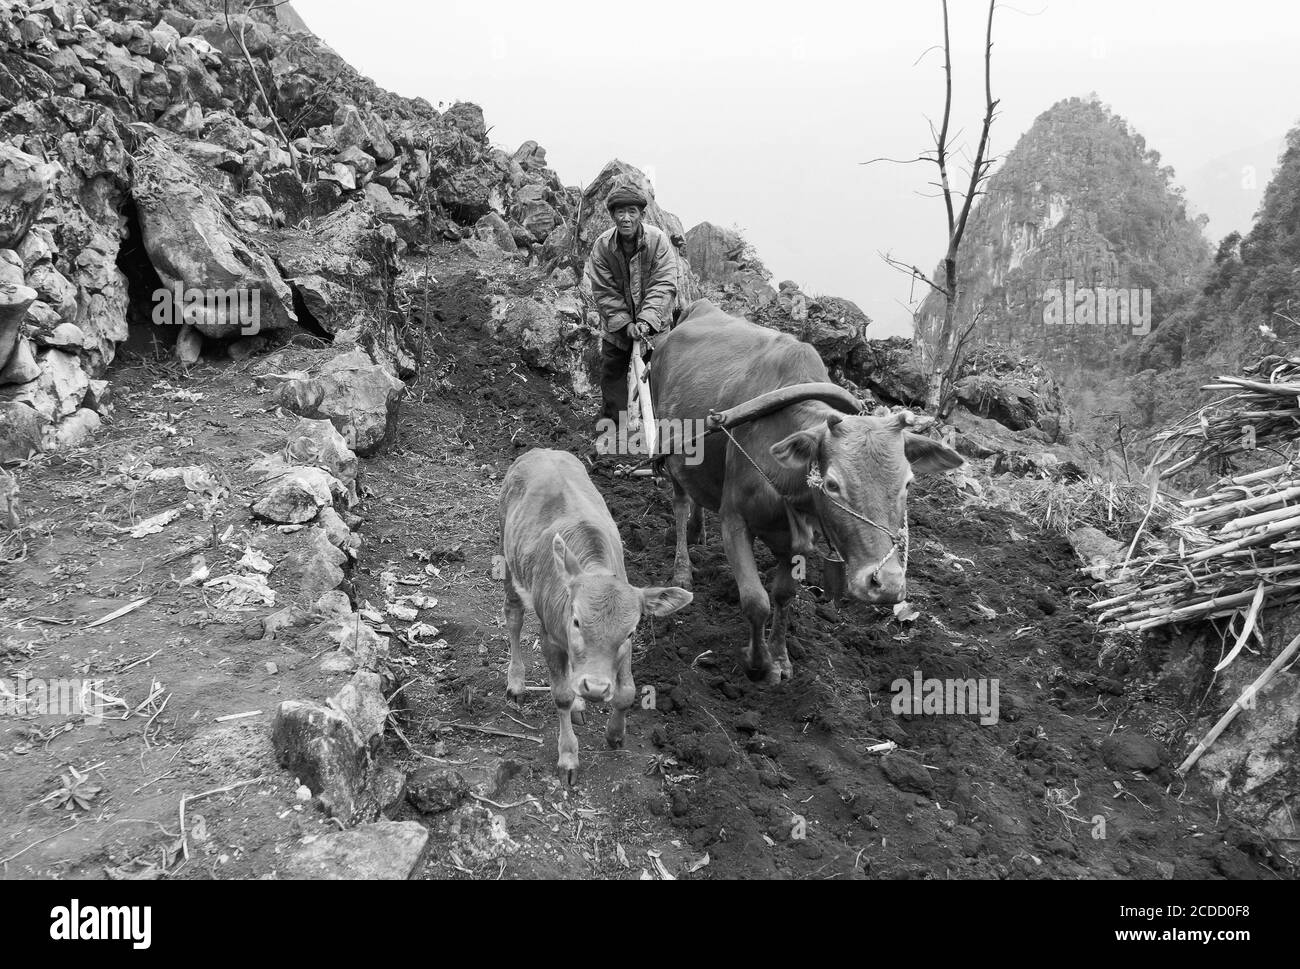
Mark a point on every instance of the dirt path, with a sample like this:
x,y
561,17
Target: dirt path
x,y
722,769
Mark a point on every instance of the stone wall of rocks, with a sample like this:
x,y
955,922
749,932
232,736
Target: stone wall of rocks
x,y
135,136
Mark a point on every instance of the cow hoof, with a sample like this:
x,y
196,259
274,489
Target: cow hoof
x,y
568,767
682,581
614,743
577,716
516,698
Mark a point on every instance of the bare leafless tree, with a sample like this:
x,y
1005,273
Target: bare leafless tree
x,y
941,356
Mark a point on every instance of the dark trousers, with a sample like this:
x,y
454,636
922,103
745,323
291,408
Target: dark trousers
x,y
614,363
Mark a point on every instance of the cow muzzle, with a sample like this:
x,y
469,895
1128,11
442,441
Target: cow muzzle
x,y
881,586
597,689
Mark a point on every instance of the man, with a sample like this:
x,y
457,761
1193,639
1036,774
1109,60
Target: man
x,y
634,279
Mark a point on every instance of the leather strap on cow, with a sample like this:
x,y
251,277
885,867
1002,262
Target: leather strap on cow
x,y
779,399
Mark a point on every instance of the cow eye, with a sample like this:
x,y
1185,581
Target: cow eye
x,y
576,624
832,485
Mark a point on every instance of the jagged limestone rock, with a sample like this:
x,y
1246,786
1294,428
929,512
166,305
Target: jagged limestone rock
x,y
359,397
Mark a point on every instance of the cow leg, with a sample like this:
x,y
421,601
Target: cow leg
x,y
695,528
624,697
562,693
685,512
784,588
516,688
739,543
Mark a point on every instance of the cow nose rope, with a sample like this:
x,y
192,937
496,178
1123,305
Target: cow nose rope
x,y
899,544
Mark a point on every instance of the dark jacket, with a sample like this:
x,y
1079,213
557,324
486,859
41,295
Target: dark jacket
x,y
641,288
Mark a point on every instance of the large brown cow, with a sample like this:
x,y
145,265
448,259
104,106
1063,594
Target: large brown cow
x,y
806,466
564,560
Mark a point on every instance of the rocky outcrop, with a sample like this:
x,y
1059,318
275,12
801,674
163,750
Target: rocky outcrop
x,y
192,242
722,259
340,265
356,395
552,332
383,851
1048,226
1018,393
24,180
136,133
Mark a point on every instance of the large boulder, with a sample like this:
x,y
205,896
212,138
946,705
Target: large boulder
x,y
1017,393
313,568
15,299
21,427
357,395
58,391
22,367
396,211
318,444
327,753
191,240
384,851
297,494
339,264
890,370
24,181
720,257
551,334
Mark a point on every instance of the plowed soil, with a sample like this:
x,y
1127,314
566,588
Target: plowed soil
x,y
722,778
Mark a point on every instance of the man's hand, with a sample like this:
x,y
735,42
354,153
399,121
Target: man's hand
x,y
642,330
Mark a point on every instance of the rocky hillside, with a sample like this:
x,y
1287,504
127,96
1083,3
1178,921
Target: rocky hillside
x,y
151,148
1079,211
1246,303
318,635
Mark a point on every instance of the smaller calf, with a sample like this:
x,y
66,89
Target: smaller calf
x,y
564,560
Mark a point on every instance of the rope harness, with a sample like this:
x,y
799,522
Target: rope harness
x,y
899,544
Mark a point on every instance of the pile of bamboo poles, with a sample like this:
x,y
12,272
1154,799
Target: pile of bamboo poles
x,y
1238,548
1263,405
1237,552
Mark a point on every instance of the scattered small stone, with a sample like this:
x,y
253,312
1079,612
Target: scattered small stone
x,y
434,790
1129,750
384,851
906,773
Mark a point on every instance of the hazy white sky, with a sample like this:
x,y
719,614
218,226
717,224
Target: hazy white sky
x,y
757,114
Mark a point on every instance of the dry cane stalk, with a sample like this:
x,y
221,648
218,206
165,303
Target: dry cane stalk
x,y
1263,518
1279,529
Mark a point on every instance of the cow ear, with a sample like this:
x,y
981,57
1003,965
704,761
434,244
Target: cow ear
x,y
566,560
926,455
800,449
664,601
